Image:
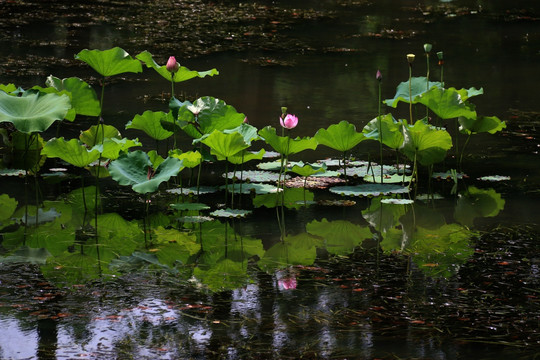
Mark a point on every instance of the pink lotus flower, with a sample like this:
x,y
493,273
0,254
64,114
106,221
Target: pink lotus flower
x,y
378,76
289,122
172,65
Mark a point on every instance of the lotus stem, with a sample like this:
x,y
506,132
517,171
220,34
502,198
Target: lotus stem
x,y
410,93
463,151
226,178
427,83
174,120
199,170
380,132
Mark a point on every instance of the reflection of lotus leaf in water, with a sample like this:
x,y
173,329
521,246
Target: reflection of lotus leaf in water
x,y
293,250
291,198
476,203
340,237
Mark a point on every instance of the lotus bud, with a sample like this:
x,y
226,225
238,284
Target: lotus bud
x,y
172,65
283,111
410,58
440,56
427,48
378,76
289,122
246,121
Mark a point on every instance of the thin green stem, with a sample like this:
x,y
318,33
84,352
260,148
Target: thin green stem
x,y
427,82
410,94
463,151
380,132
174,120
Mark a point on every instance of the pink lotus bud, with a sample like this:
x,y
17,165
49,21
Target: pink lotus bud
x,y
172,65
378,76
289,122
246,121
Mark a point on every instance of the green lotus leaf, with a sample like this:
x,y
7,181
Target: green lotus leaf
x,y
341,137
231,213
308,169
189,206
135,169
212,114
340,237
182,74
33,111
387,179
481,124
468,93
27,255
446,103
112,148
369,190
190,159
9,88
494,178
155,158
249,132
428,143
285,145
225,145
83,97
419,86
73,151
110,62
276,165
7,208
390,128
96,134
150,123
244,156
71,114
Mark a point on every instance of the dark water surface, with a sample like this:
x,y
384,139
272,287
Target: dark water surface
x,y
449,278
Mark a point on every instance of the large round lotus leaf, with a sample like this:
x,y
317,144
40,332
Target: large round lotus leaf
x,y
388,127
135,169
419,85
182,74
285,145
83,97
369,190
110,62
427,143
224,145
446,103
230,213
341,137
33,112
150,123
73,151
481,124
387,179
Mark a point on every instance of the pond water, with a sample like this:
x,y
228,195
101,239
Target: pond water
x,y
453,275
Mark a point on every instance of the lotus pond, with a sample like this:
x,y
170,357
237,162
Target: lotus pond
x,y
312,190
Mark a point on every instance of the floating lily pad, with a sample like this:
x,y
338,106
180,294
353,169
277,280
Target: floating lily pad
x,y
195,219
397,201
314,182
248,188
12,172
257,176
193,190
271,154
424,197
336,202
27,255
189,206
231,213
387,179
494,178
448,175
369,190
276,165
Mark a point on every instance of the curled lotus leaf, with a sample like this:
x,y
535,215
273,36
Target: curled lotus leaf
x,y
285,145
446,103
135,169
386,128
33,111
481,124
182,74
97,134
225,145
83,97
190,159
425,142
110,62
308,169
244,156
419,85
